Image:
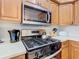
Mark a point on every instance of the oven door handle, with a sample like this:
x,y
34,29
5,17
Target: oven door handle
x,y
53,55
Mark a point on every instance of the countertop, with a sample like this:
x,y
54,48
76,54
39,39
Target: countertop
x,y
9,50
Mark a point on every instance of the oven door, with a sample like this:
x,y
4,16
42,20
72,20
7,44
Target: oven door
x,y
53,56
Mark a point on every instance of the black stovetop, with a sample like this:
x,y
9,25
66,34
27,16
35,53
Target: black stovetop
x,y
32,43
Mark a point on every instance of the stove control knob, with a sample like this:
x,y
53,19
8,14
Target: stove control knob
x,y
36,54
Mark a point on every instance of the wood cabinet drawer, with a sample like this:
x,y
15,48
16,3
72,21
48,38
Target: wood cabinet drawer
x,y
74,43
19,57
65,44
64,52
73,49
32,1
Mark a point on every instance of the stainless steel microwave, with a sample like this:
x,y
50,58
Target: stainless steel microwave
x,y
35,14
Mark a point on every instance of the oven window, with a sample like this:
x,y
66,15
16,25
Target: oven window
x,y
32,14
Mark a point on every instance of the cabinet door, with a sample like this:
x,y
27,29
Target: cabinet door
x,y
32,1
11,10
65,1
19,57
54,15
66,14
44,3
76,13
64,53
74,50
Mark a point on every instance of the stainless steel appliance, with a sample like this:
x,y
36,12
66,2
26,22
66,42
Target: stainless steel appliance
x,y
35,14
38,48
14,35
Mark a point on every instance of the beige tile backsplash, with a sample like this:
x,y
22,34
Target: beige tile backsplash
x,y
72,30
5,26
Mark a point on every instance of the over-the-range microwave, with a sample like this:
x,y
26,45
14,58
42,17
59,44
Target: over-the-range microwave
x,y
35,14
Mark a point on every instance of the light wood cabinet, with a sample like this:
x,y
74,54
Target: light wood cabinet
x,y
65,1
10,10
19,57
44,3
54,16
64,52
74,50
32,1
66,14
76,13
70,50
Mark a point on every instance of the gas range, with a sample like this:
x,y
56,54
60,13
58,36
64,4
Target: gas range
x,y
38,47
37,43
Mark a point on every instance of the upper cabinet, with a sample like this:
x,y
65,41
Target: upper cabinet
x,y
44,3
66,14
32,1
10,10
63,14
76,21
65,1
54,10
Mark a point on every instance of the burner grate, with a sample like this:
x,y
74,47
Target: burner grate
x,y
32,43
36,43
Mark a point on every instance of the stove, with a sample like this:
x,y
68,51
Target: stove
x,y
39,48
37,43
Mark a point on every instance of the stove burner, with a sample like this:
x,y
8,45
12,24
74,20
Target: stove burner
x,y
45,41
32,43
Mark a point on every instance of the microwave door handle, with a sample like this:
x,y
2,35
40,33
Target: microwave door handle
x,y
48,15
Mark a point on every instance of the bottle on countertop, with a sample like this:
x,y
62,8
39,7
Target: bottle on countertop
x,y
54,32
